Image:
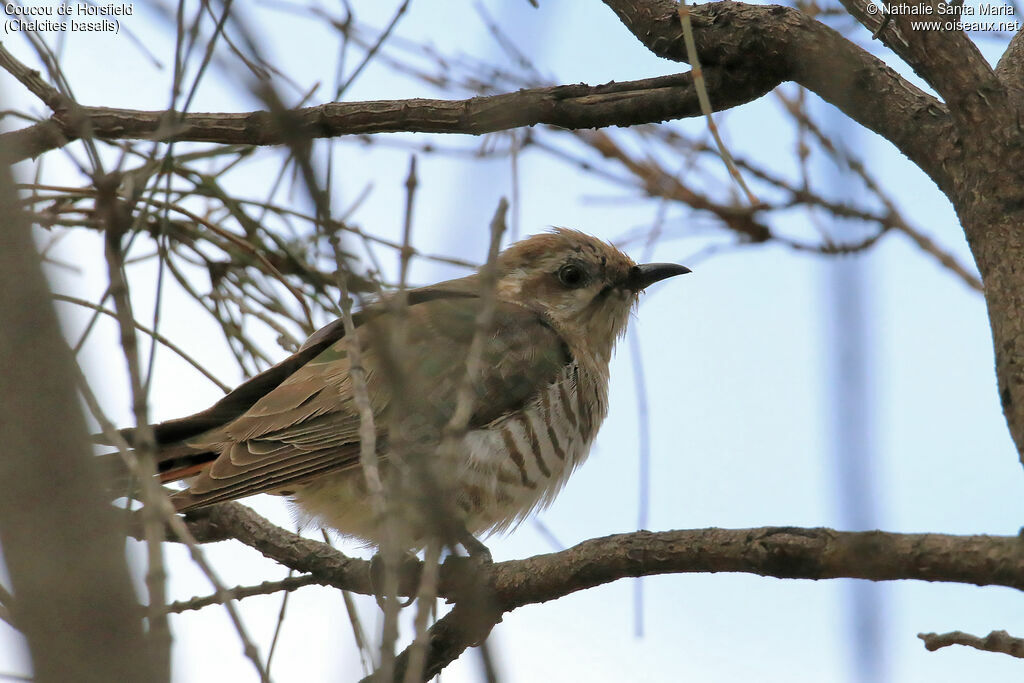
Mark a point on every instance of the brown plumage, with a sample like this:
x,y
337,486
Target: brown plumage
x,y
563,299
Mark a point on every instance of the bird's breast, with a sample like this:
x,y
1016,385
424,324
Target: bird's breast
x,y
499,473
520,461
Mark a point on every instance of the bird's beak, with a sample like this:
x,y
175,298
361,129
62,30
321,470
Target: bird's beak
x,y
643,276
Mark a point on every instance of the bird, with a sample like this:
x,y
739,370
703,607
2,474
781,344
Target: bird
x,y
561,301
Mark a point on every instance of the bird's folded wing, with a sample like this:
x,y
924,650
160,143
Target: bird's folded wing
x,y
308,425
242,397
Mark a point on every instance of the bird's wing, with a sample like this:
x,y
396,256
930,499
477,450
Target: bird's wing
x,y
308,424
246,394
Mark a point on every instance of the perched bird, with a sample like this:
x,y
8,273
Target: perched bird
x,y
562,300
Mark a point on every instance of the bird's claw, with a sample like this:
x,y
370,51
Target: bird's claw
x,y
476,550
377,577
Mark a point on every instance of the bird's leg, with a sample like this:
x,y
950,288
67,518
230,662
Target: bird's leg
x,y
378,568
474,569
470,581
476,550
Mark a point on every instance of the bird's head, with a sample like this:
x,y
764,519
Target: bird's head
x,y
585,287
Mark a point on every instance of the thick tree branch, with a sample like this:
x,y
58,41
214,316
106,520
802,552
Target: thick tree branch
x,y
946,59
1010,69
234,520
30,142
463,627
783,552
746,51
793,47
568,106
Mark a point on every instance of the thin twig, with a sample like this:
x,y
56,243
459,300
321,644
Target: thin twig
x,y
358,634
368,458
397,355
644,465
372,52
416,655
156,496
705,103
424,608
114,215
996,641
894,218
145,330
31,79
244,245
279,626
365,656
241,592
465,395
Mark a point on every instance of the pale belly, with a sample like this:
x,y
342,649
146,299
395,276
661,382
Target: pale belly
x,y
498,476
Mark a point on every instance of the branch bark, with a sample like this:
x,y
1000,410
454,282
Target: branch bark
x,y
782,552
567,106
794,47
946,59
746,51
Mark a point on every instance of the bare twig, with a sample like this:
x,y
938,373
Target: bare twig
x,y
369,461
465,398
395,355
705,102
156,497
996,641
418,659
115,216
240,592
278,626
145,330
31,79
372,51
247,247
358,634
424,608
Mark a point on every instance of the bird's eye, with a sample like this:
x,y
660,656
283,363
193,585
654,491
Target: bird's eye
x,y
573,275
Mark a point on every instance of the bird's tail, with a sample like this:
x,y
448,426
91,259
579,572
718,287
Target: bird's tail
x,y
173,463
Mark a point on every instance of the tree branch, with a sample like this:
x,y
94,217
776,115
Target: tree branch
x,y
747,50
791,46
31,79
463,627
782,552
568,106
234,520
1010,69
946,59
